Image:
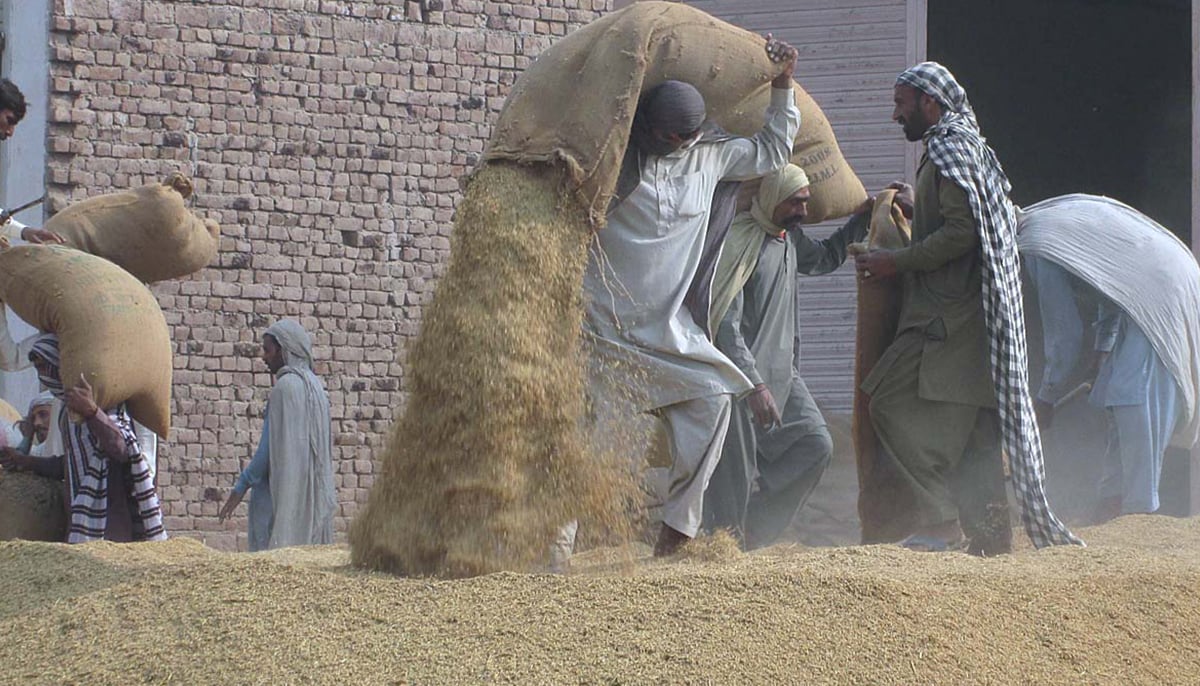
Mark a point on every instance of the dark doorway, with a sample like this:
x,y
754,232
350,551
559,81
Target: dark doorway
x,y
1082,96
1079,96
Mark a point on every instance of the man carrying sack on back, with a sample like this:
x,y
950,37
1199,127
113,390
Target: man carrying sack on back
x,y
108,486
777,436
1090,255
952,387
638,285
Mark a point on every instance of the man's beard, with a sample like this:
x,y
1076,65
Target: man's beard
x,y
912,133
914,130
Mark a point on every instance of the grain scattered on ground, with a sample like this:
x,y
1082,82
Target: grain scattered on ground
x,y
1125,610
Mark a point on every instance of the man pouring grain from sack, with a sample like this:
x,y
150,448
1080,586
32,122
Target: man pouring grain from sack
x,y
641,318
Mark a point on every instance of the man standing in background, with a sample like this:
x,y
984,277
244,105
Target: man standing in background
x,y
292,470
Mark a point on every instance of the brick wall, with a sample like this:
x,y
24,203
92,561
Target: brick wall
x,y
327,138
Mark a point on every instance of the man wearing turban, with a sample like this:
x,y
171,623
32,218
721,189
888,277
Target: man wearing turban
x,y
29,435
646,309
952,388
777,437
108,488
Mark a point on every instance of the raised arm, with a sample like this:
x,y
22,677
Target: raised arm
x,y
815,257
112,430
771,148
13,356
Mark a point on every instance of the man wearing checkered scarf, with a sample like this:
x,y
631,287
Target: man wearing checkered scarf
x,y
951,390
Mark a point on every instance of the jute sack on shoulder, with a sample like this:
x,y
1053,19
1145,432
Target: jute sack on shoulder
x,y
147,231
109,326
575,103
31,508
883,501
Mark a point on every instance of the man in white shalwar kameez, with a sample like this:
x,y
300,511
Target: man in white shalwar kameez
x,y
299,454
638,325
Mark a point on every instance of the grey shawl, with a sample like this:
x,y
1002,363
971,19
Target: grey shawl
x,y
301,448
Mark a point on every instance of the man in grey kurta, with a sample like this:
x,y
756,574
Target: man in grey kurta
x,y
639,329
777,437
1143,287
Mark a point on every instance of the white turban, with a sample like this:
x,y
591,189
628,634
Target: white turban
x,y
43,398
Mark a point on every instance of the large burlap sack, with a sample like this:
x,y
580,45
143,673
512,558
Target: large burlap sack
x,y
147,231
575,103
31,508
109,326
884,503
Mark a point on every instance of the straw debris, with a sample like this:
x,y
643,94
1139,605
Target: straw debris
x,y
491,456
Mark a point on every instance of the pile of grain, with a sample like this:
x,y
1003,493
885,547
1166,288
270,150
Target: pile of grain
x,y
1124,610
491,456
31,507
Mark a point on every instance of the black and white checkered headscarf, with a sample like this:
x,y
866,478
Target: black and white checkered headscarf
x,y
960,153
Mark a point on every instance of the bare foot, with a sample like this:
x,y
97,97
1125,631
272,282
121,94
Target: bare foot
x,y
669,541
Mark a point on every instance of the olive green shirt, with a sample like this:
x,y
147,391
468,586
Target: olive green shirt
x,y
941,273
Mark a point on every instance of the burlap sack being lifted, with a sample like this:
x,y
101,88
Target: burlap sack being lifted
x,y
31,508
147,231
576,103
109,326
883,501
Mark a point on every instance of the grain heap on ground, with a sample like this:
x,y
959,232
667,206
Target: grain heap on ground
x,y
1125,610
